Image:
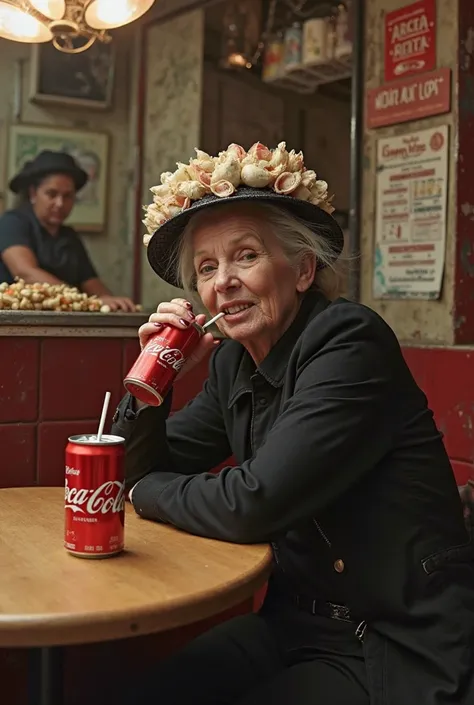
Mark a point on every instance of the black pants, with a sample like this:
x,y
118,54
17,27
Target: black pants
x,y
277,657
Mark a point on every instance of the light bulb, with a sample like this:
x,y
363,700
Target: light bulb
x,y
237,60
20,26
107,14
54,9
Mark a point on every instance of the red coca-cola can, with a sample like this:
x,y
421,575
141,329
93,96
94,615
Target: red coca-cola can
x,y
94,496
155,369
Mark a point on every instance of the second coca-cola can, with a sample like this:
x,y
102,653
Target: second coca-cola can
x,y
157,366
94,496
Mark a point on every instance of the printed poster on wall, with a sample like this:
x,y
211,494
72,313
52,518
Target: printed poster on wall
x,y
410,40
411,204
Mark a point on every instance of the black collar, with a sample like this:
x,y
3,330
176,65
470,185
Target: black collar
x,y
274,366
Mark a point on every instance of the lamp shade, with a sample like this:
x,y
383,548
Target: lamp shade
x,y
54,9
107,14
20,26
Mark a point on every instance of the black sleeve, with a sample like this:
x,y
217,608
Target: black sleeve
x,y
338,424
14,230
85,268
191,441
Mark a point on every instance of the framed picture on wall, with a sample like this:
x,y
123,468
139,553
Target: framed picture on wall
x,y
82,80
90,149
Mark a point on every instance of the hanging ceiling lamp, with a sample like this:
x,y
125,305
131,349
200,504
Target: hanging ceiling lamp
x,y
240,33
72,25
242,39
236,47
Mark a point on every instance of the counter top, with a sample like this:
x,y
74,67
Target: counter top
x,y
70,324
69,318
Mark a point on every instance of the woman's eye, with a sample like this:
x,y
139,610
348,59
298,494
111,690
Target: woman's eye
x,y
248,256
205,269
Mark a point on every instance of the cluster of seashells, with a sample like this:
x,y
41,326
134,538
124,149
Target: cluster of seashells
x,y
221,176
47,297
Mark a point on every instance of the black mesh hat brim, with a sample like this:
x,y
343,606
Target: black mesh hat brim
x,y
163,246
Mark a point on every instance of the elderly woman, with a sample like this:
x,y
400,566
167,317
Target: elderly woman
x,y
338,462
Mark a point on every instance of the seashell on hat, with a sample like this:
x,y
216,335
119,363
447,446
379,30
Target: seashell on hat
x,y
275,176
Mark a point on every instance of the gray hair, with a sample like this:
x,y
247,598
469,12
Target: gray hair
x,y
295,236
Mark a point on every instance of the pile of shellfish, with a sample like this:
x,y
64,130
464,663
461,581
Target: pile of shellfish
x,y
47,297
260,167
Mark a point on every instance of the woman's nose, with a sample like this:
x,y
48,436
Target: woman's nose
x,y
225,279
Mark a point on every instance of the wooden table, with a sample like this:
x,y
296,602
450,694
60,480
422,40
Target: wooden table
x,y
50,599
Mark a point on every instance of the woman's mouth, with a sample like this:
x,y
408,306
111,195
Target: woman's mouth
x,y
234,312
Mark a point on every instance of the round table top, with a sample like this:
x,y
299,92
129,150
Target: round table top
x,y
164,579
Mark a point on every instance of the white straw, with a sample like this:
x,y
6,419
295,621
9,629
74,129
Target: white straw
x,y
103,415
213,320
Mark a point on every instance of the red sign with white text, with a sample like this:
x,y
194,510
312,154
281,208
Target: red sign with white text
x,y
410,40
412,99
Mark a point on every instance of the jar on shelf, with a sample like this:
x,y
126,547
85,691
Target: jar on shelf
x,y
330,38
273,57
343,43
293,46
315,32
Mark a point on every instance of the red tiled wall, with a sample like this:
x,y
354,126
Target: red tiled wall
x,y
446,375
19,372
18,454
75,373
53,388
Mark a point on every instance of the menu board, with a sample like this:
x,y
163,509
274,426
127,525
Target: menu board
x,y
411,200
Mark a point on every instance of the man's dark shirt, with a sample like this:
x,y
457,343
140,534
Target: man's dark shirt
x,y
62,255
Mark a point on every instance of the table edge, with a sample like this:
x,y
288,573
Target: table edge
x,y
64,630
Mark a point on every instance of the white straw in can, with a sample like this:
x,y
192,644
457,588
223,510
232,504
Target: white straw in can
x,y
103,415
213,320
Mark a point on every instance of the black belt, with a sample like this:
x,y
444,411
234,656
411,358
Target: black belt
x,y
324,609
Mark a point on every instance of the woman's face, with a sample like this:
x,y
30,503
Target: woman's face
x,y
241,269
53,199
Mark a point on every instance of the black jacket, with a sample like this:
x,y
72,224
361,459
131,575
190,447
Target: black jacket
x,y
340,466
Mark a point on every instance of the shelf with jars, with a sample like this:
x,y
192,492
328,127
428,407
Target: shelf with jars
x,y
306,55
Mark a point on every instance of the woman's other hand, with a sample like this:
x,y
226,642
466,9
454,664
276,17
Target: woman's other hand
x,y
177,313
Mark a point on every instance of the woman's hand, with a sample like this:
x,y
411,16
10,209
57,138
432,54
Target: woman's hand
x,y
178,313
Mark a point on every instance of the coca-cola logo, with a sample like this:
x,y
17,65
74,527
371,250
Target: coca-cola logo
x,y
72,471
109,497
173,357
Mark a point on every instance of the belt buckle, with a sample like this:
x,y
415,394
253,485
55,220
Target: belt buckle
x,y
340,612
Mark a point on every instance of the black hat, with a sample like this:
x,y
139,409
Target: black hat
x,y
48,162
162,248
261,175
